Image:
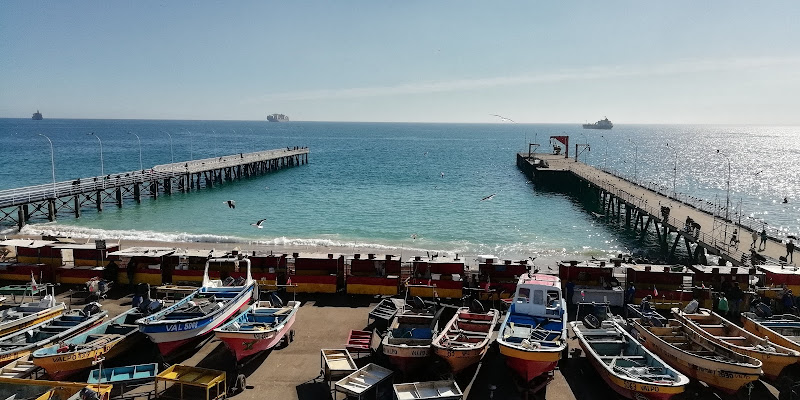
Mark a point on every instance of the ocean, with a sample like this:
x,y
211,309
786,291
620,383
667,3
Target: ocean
x,y
406,188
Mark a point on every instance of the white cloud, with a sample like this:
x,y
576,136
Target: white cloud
x,y
566,75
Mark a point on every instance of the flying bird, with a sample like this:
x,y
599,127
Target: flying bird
x,y
258,224
230,203
502,117
489,197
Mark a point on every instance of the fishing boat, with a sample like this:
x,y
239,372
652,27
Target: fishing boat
x,y
21,368
123,377
37,116
25,315
107,340
627,367
465,338
434,390
200,312
698,357
725,333
18,344
534,331
408,340
782,329
260,328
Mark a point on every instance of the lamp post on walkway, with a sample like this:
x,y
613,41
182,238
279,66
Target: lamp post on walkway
x,y
171,154
141,168
52,162
605,157
728,184
635,158
102,171
674,172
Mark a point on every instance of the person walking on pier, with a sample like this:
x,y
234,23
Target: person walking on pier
x,y
763,244
755,238
789,251
735,238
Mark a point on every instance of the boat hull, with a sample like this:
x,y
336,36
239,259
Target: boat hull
x,y
531,364
406,358
60,366
171,336
460,359
246,344
31,320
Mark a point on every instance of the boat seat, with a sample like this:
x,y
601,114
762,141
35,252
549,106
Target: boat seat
x,y
729,338
705,326
628,357
609,341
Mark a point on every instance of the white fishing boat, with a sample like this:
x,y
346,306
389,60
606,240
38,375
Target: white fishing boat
x,y
199,313
408,340
29,314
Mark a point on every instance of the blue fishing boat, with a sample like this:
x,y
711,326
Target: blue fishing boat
x,y
122,377
199,313
107,340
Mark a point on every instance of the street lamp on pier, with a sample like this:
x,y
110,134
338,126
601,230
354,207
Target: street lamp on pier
x,y
102,170
141,168
674,172
605,158
635,158
728,184
171,154
52,162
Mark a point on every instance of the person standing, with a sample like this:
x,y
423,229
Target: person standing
x,y
735,238
763,244
755,238
736,297
789,250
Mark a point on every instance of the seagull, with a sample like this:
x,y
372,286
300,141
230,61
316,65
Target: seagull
x,y
489,197
502,117
230,203
442,174
258,224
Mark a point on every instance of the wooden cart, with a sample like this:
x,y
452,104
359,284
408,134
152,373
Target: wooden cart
x,y
194,377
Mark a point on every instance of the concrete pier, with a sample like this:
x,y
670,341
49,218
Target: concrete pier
x,y
47,201
641,208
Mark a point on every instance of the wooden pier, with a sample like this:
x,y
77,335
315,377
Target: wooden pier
x,y
47,201
641,209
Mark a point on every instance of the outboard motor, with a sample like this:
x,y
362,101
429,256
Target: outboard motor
x,y
763,310
228,281
143,289
88,394
591,321
653,321
476,307
141,305
692,307
275,300
419,303
239,281
91,309
154,307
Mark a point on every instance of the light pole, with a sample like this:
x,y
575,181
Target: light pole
x,y
728,184
674,172
52,162
102,171
605,157
171,154
141,168
635,158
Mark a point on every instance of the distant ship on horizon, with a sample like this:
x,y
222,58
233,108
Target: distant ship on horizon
x,y
602,124
277,118
37,116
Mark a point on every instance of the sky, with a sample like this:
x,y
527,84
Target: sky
x,y
676,62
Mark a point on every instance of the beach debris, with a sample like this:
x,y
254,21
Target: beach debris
x,y
230,203
258,223
489,197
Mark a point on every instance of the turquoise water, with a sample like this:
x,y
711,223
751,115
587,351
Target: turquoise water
x,y
377,184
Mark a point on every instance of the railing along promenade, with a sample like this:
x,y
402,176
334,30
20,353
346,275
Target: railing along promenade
x,y
19,205
715,230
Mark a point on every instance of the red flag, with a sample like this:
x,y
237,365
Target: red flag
x,y
488,283
33,282
429,282
655,291
289,281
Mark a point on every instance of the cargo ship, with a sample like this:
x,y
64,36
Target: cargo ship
x,y
602,124
37,115
278,118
